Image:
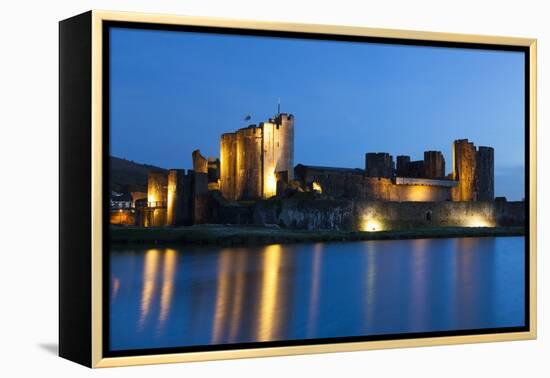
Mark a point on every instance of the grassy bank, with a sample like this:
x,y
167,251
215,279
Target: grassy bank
x,y
256,235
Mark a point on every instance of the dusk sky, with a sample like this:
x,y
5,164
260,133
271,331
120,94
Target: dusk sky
x,y
174,92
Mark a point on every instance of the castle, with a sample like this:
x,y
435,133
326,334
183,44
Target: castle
x,y
256,164
254,158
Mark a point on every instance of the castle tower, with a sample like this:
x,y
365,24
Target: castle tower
x,y
157,183
200,163
252,158
285,139
270,157
464,168
249,163
200,203
228,165
402,168
485,174
178,198
157,191
379,164
434,164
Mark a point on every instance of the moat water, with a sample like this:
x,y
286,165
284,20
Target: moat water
x,y
201,295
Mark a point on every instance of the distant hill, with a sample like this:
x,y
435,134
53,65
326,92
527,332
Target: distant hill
x,y
127,175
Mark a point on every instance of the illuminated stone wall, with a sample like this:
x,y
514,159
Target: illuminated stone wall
x,y
353,184
407,215
228,165
187,200
249,163
386,190
464,167
157,184
379,216
154,217
200,163
270,155
157,193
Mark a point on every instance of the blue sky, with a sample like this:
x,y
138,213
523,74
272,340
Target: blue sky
x,y
173,92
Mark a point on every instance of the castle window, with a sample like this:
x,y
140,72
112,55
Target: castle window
x,y
428,215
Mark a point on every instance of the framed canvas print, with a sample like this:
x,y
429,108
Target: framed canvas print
x,y
234,189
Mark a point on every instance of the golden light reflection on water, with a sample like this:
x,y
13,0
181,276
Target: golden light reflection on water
x,y
115,285
315,287
222,296
150,271
167,289
268,321
239,286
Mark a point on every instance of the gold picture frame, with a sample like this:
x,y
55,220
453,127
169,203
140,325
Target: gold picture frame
x,y
74,328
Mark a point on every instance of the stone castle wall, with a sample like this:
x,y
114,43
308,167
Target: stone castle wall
x,y
379,216
157,193
354,184
176,198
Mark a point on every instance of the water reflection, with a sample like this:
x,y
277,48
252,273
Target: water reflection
x,y
237,296
209,295
150,271
115,287
167,290
314,290
419,285
268,299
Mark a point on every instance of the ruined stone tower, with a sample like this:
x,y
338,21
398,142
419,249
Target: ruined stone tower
x,y
178,212
434,164
284,144
241,164
379,164
251,158
228,165
200,163
249,163
474,169
402,169
464,167
485,174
